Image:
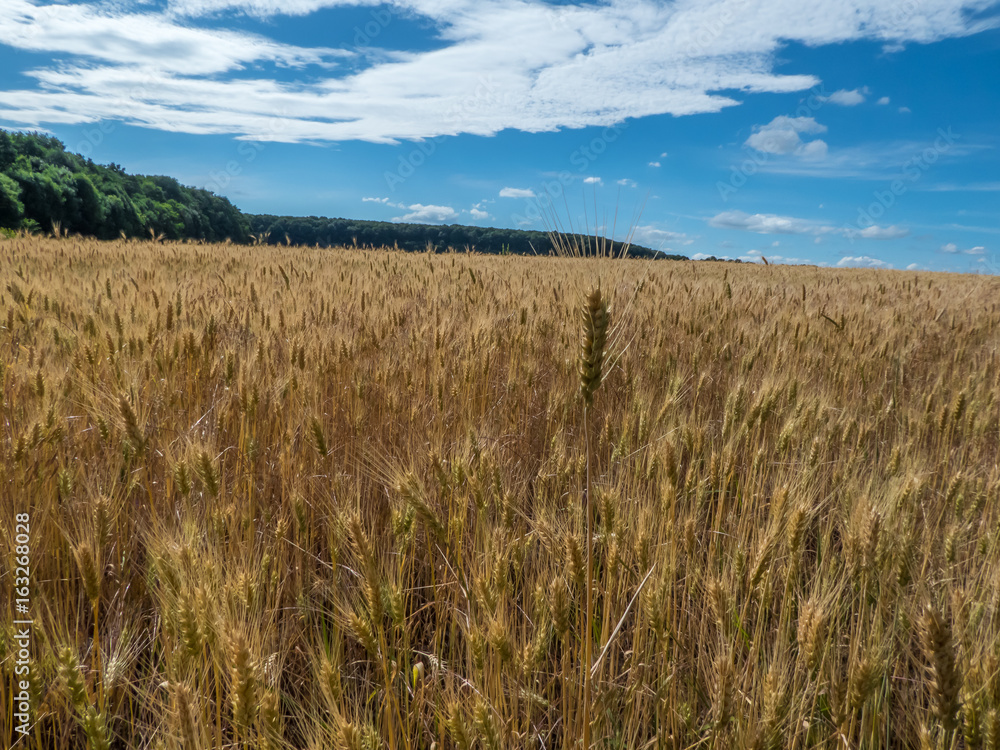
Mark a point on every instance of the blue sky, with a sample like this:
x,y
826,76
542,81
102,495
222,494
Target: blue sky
x,y
856,133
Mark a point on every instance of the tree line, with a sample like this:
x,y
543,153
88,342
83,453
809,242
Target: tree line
x,y
317,230
45,187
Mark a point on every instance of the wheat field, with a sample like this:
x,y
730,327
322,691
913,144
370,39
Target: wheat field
x,y
284,497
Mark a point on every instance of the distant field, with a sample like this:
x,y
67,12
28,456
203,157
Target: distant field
x,y
287,497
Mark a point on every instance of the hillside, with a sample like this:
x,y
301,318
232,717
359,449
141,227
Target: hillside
x,y
43,185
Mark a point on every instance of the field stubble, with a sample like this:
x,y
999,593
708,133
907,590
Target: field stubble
x,y
284,497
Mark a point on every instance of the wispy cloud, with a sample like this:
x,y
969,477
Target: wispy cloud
x,y
775,224
766,223
659,239
610,61
876,232
862,261
972,187
136,62
509,192
145,40
880,160
951,249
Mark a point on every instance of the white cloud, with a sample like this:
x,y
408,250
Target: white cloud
x,y
875,232
654,164
133,61
374,200
813,150
782,136
663,155
913,267
878,160
509,192
625,182
593,181
951,248
784,260
862,261
765,223
847,98
656,238
147,40
478,214
905,110
884,100
428,214
775,224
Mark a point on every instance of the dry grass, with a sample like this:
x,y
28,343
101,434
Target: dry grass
x,y
283,497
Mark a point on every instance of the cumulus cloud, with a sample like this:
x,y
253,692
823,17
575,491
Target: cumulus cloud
x,y
884,100
783,135
655,164
862,261
374,200
428,214
479,214
625,182
149,64
813,150
847,98
593,181
905,110
509,192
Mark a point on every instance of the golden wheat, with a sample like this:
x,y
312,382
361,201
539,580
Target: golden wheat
x,y
289,497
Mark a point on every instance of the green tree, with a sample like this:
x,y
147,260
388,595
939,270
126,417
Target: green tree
x,y
11,208
8,152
